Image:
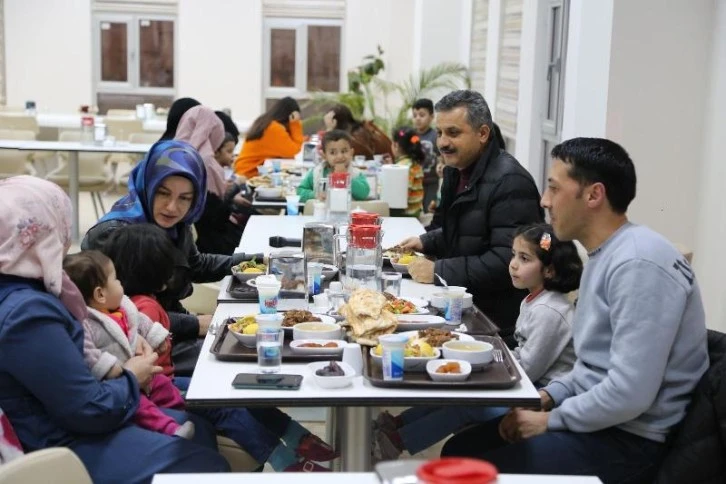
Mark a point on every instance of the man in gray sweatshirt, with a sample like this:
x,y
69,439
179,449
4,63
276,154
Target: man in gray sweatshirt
x,y
639,335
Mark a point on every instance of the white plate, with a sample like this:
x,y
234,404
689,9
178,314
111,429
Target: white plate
x,y
410,363
296,346
432,366
407,322
419,303
462,336
323,319
332,382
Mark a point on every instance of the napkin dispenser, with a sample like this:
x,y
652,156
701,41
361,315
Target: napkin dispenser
x,y
394,185
318,242
289,267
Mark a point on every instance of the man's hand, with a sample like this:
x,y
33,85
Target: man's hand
x,y
143,348
432,206
520,424
422,270
204,321
411,243
143,368
546,401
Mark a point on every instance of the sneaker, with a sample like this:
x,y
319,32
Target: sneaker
x,y
185,430
386,421
387,446
312,447
306,466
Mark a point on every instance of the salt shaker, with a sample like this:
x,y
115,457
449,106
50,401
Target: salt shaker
x,y
353,356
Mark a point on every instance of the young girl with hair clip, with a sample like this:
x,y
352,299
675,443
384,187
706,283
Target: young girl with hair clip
x,y
144,259
408,151
549,269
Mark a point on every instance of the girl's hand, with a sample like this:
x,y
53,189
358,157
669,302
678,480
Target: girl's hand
x,y
295,116
143,348
163,347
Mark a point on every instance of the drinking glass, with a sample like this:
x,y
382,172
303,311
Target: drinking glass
x,y
269,350
391,283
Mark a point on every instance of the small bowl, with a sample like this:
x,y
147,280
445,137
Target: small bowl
x,y
410,363
297,346
248,340
332,382
475,352
438,300
402,268
316,330
244,276
269,192
434,365
329,271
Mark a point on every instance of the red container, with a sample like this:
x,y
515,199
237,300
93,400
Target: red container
x,y
457,470
364,236
339,180
364,218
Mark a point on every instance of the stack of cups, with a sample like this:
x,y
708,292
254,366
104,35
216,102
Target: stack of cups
x,y
315,277
454,305
392,358
268,290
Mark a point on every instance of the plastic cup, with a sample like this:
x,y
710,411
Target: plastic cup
x,y
315,277
268,289
454,305
391,283
392,360
276,165
269,350
292,204
276,179
353,356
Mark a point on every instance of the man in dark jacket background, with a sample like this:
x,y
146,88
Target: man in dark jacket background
x,y
486,194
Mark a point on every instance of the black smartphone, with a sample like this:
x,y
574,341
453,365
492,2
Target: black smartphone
x,y
272,381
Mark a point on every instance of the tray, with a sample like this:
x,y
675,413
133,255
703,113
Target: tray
x,y
226,348
494,376
477,323
246,293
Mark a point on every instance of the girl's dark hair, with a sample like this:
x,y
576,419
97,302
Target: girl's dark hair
x,y
279,112
227,138
336,135
144,258
344,118
561,256
87,270
176,111
410,143
229,126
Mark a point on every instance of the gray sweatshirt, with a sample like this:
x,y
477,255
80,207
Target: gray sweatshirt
x,y
640,339
544,337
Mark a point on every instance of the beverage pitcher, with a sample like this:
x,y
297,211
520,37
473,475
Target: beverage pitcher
x,y
364,256
338,198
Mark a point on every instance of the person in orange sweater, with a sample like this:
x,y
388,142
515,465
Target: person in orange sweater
x,y
275,134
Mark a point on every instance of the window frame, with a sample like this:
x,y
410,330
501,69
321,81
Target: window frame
x,y
300,25
133,84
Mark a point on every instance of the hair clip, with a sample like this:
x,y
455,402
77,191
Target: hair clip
x,y
415,139
545,242
401,133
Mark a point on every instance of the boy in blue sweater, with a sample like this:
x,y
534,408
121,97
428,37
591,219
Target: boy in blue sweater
x,y
639,335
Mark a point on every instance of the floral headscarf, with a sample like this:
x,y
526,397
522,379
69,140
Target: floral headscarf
x,y
35,230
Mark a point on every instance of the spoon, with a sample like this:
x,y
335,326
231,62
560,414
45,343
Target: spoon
x,y
442,280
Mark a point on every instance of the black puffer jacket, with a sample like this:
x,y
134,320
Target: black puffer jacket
x,y
474,244
697,449
191,266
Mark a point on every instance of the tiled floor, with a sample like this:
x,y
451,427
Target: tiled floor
x,y
87,219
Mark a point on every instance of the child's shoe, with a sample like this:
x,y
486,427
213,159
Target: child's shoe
x,y
312,447
305,466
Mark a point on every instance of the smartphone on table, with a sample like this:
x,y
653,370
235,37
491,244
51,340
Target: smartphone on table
x,y
270,381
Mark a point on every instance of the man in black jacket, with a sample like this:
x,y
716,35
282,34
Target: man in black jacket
x,y
485,196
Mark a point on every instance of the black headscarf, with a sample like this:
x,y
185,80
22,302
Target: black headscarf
x,y
229,125
176,111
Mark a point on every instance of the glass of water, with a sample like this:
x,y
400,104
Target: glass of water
x,y
269,350
391,283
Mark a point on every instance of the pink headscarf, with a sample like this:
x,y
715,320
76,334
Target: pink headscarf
x,y
202,129
35,232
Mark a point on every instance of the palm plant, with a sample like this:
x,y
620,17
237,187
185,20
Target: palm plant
x,y
369,96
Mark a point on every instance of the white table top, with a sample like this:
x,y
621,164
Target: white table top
x,y
260,228
212,384
36,145
349,477
73,121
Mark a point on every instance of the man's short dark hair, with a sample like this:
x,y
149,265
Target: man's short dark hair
x,y
144,258
598,160
88,270
477,109
336,135
424,103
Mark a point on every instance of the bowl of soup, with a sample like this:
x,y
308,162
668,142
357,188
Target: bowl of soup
x,y
316,330
475,352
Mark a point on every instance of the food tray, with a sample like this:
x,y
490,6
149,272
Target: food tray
x,y
226,348
495,376
476,322
246,293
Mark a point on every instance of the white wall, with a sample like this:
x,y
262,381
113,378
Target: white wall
x,y
48,53
709,260
439,17
656,104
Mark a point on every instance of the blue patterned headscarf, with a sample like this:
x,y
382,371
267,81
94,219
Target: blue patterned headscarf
x,y
165,158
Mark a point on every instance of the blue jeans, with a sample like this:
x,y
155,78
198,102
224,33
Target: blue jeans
x,y
613,455
133,454
424,426
257,430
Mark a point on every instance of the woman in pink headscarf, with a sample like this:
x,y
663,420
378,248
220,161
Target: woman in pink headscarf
x,y
219,229
46,390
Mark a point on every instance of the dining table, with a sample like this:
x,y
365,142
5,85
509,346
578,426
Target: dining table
x,y
351,408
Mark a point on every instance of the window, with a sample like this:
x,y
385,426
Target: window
x,y
133,59
301,56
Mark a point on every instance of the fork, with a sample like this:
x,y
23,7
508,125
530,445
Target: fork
x,y
498,356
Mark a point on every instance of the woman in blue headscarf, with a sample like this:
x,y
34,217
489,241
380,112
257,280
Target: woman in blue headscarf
x,y
169,188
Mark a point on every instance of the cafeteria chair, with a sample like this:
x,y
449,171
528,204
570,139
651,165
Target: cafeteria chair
x,y
16,162
19,121
94,175
121,112
57,464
